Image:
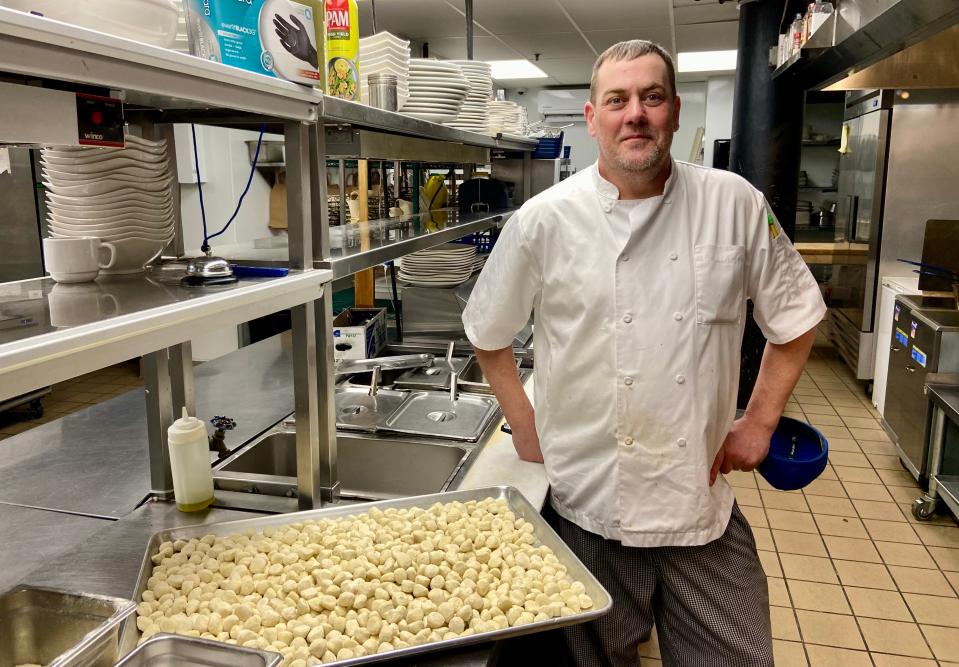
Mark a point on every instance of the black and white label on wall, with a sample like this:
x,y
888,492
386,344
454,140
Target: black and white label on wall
x,y
99,121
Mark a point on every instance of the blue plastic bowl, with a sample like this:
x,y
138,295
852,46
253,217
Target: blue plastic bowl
x,y
797,455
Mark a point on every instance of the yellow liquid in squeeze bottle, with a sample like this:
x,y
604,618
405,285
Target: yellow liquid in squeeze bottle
x,y
343,49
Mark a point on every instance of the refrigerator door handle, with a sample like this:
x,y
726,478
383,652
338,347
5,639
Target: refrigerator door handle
x,y
853,217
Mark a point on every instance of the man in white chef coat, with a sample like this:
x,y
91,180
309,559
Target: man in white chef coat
x,y
637,270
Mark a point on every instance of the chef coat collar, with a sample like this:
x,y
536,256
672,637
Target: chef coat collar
x,y
609,192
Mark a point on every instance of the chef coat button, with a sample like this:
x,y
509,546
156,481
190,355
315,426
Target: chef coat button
x,y
678,317
628,382
680,379
673,256
625,258
628,442
681,442
628,319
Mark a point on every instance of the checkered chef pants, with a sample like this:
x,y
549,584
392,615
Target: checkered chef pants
x,y
710,604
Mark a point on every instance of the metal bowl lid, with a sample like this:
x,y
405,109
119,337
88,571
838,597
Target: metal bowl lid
x,y
209,267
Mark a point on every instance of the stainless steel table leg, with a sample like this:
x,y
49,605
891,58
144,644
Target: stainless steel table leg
x,y
181,379
924,507
159,408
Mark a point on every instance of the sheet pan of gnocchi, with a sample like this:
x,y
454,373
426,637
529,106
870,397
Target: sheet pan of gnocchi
x,y
358,584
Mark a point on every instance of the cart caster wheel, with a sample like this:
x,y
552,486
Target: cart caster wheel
x,y
36,409
923,508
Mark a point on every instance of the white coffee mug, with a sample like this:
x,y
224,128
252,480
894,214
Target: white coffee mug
x,y
76,260
73,305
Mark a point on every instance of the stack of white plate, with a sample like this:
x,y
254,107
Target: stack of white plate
x,y
444,266
384,53
506,117
438,89
120,195
474,116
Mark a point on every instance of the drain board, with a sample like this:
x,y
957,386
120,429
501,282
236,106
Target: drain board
x,y
433,414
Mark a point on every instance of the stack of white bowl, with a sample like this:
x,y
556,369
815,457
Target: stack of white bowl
x,y
438,89
506,117
120,195
474,116
384,53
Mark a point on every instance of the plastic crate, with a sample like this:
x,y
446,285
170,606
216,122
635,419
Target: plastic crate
x,y
549,148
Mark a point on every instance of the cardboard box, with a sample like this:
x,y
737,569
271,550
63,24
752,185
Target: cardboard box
x,y
272,37
359,333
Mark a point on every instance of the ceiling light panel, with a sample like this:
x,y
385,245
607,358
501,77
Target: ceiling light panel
x,y
515,69
706,61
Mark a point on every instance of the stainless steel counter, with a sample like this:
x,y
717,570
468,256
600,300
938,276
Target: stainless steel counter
x,y
95,461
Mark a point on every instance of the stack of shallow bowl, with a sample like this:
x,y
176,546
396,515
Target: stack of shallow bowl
x,y
474,115
437,90
506,117
384,53
120,195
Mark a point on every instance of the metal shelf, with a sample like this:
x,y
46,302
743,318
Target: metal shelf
x,y
335,110
36,47
949,491
54,332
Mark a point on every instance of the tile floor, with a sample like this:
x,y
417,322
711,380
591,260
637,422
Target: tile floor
x,y
853,578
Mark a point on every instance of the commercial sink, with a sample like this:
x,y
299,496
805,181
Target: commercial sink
x,y
369,468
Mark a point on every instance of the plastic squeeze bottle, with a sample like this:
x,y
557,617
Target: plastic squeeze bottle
x,y
190,463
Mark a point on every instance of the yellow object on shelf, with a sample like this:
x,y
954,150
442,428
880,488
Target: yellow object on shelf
x,y
343,49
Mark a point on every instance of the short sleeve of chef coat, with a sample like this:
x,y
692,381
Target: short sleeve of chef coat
x,y
787,301
505,292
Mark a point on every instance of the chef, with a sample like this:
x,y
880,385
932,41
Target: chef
x,y
637,270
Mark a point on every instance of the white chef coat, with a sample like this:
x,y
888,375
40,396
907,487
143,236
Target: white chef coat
x,y
639,311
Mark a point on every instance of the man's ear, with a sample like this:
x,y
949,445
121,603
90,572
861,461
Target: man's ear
x,y
590,113
678,103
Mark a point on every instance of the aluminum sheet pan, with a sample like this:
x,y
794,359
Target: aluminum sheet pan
x,y
517,503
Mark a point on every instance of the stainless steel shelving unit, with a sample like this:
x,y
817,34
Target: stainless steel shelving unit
x,y
159,87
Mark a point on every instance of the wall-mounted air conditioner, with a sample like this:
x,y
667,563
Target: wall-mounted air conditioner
x,y
564,103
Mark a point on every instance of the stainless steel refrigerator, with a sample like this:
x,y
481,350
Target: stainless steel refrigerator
x,y
20,253
899,166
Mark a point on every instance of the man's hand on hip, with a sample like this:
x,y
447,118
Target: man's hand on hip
x,y
744,448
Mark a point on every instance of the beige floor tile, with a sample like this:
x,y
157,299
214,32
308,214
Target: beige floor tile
x,y
919,580
894,637
806,544
814,596
872,509
869,435
861,422
891,531
812,400
650,648
825,487
897,478
652,662
886,660
808,568
855,460
789,654
934,610
852,411
756,516
944,641
763,485
742,479
826,420
850,474
829,629
939,536
842,526
953,578
770,563
844,445
851,548
936,520
828,656
764,539
836,432
783,621
795,414
829,473
947,559
904,494
881,448
749,497
846,402
785,500
884,461
861,491
864,575
803,391
797,521
912,555
872,603
819,410
778,593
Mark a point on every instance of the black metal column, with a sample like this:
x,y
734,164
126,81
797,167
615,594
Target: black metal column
x,y
766,136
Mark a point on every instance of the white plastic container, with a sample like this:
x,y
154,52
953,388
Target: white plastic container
x,y
190,463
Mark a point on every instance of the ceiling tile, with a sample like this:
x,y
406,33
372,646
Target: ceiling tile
x,y
527,16
408,19
484,48
705,12
602,39
609,14
568,71
555,45
707,36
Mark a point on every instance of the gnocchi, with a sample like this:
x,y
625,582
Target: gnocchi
x,y
321,591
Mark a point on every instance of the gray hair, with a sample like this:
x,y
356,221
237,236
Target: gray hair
x,y
631,50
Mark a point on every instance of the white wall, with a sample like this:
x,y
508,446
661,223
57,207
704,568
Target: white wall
x,y
719,113
692,115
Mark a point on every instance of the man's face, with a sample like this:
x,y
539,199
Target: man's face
x,y
634,114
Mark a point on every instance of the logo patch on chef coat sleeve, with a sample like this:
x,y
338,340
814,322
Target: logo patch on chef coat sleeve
x,y
773,226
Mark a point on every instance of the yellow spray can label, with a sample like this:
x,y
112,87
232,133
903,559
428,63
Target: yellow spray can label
x,y
342,49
